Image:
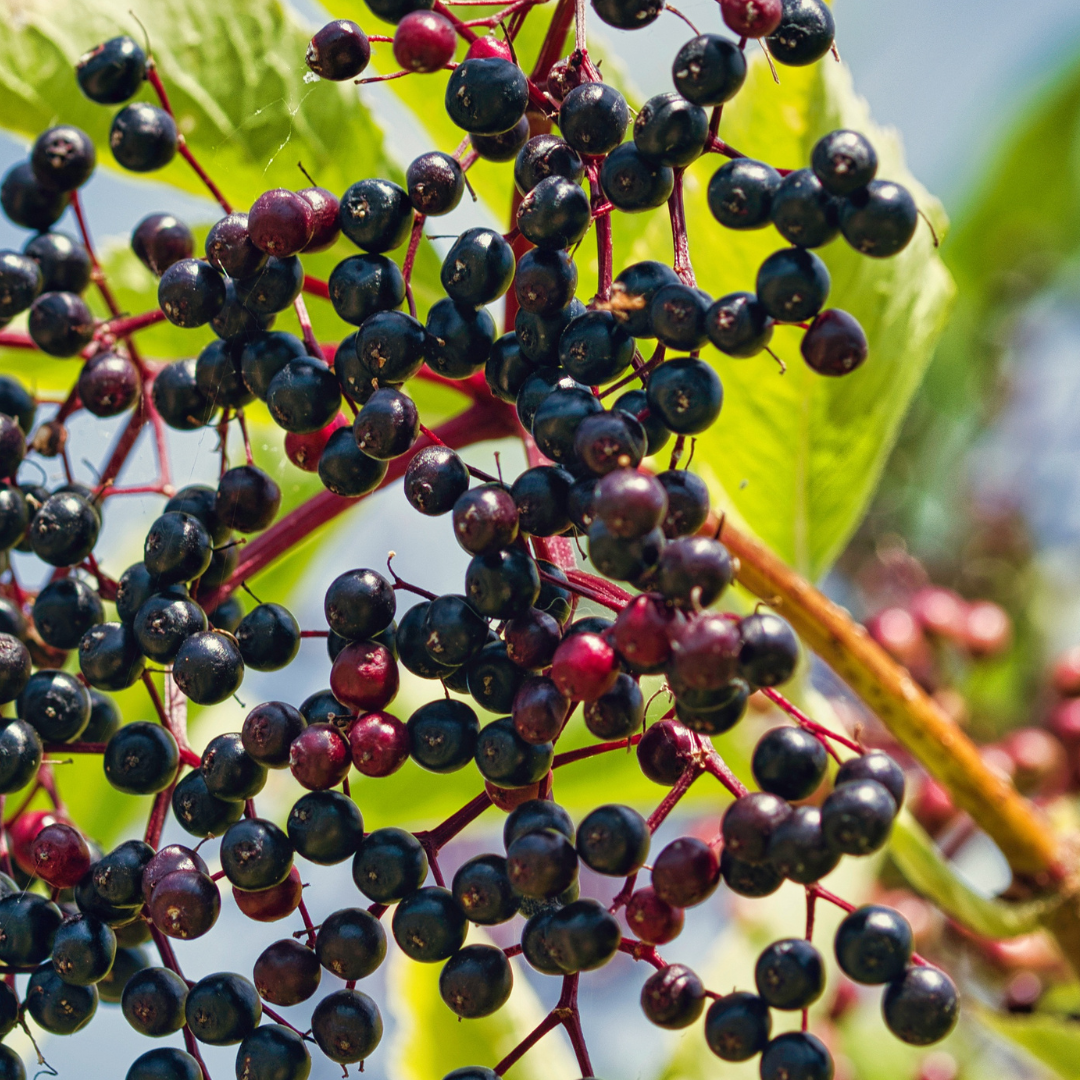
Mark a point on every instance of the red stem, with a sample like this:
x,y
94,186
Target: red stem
x,y
311,343
410,259
121,327
804,721
671,799
584,752
679,239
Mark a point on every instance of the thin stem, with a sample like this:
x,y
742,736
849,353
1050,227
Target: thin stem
x,y
121,327
311,343
410,259
582,590
679,238
671,799
716,766
804,721
570,756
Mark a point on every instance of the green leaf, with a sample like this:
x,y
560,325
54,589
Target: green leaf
x,y
1053,1040
431,1041
930,875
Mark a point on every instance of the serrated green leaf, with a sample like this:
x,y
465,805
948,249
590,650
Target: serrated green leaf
x,y
430,1040
930,875
1052,1040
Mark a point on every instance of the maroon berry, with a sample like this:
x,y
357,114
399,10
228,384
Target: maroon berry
x,y
630,503
564,76
484,47
665,751
287,972
339,51
705,655
269,905
749,824
325,206
532,638
642,634
185,904
166,861
686,872
268,732
835,344
539,710
584,667
424,41
485,519
364,676
281,223
651,919
229,247
752,18
160,240
319,757
379,743
673,997
108,384
23,831
507,799
304,450
61,856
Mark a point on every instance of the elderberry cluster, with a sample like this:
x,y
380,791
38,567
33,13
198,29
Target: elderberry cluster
x,y
509,641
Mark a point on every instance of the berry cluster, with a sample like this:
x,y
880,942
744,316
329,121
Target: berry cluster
x,y
510,641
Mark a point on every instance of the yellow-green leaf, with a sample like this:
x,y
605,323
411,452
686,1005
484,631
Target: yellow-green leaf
x,y
1052,1040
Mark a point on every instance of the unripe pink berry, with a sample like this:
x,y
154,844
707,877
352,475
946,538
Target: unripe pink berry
x,y
379,743
424,41
364,676
319,757
584,667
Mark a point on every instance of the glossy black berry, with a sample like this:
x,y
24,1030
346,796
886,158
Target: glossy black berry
x,y
796,1055
555,213
737,324
502,147
273,1052
479,266
208,667
476,981
117,876
673,997
835,344
338,51
55,704
346,470
177,397
749,823
351,943
83,950
247,499
63,157
857,816
443,735
428,925
613,840
789,762
677,315
709,70
56,1006
873,944
737,1026
435,479
269,730
229,247
874,765
28,925
844,161
105,718
63,262
21,279
557,418
492,678
273,288
617,713
387,425
110,657
502,583
60,323
879,219
545,284
627,14
805,33
545,156
506,760
304,396
325,827
153,1001
486,96
582,936
803,212
921,1006
671,130
222,1009
111,72
164,623
634,182
593,118
790,974
255,854
797,848
686,394
287,972
389,865
792,285
269,638
229,771
347,1026
200,813
20,754
507,367
376,215
483,891
64,610
741,193
141,759
29,203
458,339
435,183
541,863
143,137
163,1063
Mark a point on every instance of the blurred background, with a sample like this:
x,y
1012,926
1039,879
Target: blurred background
x,y
981,496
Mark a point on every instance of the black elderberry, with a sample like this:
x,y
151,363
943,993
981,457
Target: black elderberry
x,y
247,499
857,816
619,712
533,816
796,1054
60,323
229,772
502,583
222,1009
143,137
749,824
594,348
389,348
789,762
737,324
507,366
21,279
805,33
159,240
458,339
56,1006
229,247
546,156
346,470
629,503
673,997
435,479
769,651
486,96
200,813
709,70
304,396
540,495
346,1024
55,704
844,161
110,657
105,718
485,519
325,827
412,648
273,1052
504,146
351,943
29,203
453,631
476,981
14,516
83,950
376,215
534,943
686,394
64,610
478,268
627,14
541,863
613,840
492,678
117,876
111,72
737,1026
273,288
803,212
359,604
506,760
28,925
177,548
797,848
387,425
141,759
874,944
287,973
338,51
191,292
163,1063
835,344
741,193
634,182
693,572
790,974
389,865
20,755
208,667
435,183
63,157
428,925
874,765
633,291
557,418
164,623
879,219
921,1006
677,316
64,264
153,1001
483,891
593,118
554,214
582,936
177,397
443,735
263,356
219,378
671,130
255,854
269,730
792,285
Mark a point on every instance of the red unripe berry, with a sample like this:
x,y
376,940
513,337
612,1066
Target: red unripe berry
x,y
23,831
988,630
642,633
752,18
61,856
705,655
424,41
1065,722
651,919
379,743
584,667
1066,673
325,206
364,676
665,751
686,872
507,799
281,222
304,451
1039,760
897,632
319,757
269,905
489,46
932,806
940,611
